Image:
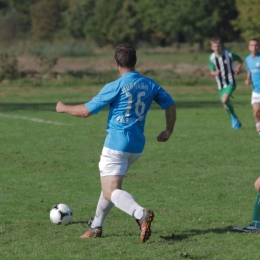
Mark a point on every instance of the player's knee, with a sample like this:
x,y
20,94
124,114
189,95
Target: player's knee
x,y
224,99
107,194
224,103
257,114
257,184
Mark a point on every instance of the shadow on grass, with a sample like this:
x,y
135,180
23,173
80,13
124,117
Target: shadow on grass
x,y
195,232
82,222
6,107
172,237
9,107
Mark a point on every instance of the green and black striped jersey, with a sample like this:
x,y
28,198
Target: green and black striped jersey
x,y
225,64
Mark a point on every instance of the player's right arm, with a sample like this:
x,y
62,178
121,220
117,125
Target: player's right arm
x,y
77,110
212,68
248,74
214,72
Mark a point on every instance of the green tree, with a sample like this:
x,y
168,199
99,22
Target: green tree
x,y
203,19
193,21
113,22
248,21
4,5
23,9
76,18
15,22
47,18
12,27
126,26
161,20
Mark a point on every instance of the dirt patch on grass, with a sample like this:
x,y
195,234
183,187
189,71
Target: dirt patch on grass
x,y
196,70
63,65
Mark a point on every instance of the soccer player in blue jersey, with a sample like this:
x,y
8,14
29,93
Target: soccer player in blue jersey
x,y
221,65
253,74
129,99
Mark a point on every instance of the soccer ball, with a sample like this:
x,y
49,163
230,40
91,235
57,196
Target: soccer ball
x,y
61,214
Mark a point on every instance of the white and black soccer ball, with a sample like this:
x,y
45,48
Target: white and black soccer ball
x,y
61,214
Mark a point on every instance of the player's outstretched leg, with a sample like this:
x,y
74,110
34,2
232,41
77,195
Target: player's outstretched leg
x,y
126,202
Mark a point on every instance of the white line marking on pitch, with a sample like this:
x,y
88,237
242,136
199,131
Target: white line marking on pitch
x,y
38,120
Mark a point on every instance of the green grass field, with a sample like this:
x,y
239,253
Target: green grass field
x,y
199,183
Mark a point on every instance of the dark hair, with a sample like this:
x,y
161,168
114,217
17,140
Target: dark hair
x,y
125,56
255,40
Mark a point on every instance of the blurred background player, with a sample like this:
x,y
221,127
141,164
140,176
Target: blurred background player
x,y
255,224
129,99
253,74
221,65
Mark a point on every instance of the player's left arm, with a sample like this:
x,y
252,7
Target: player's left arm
x,y
106,95
77,110
237,58
170,117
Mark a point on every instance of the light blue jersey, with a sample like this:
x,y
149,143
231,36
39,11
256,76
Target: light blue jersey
x,y
253,67
130,98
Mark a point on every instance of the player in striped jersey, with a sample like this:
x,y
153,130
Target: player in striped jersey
x,y
221,65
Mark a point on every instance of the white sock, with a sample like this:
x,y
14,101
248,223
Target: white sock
x,y
103,208
126,202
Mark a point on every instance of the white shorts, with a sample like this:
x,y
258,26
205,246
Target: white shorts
x,y
113,162
255,98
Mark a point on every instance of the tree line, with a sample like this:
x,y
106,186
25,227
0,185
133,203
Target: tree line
x,y
153,22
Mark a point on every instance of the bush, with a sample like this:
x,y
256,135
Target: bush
x,y
8,66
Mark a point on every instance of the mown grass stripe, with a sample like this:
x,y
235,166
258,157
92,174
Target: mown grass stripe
x,y
38,120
